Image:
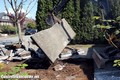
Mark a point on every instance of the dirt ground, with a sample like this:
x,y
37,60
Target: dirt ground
x,y
74,69
79,69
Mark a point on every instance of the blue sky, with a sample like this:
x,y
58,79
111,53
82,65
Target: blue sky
x,y
30,15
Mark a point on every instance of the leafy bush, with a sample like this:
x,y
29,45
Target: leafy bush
x,y
31,25
118,18
116,63
8,29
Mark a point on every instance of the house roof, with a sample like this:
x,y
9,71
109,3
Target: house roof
x,y
2,14
4,20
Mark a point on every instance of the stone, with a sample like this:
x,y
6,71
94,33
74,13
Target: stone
x,y
81,52
66,55
53,40
58,67
3,58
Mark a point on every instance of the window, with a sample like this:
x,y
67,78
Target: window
x,y
5,17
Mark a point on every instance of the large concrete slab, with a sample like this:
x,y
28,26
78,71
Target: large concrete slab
x,y
53,40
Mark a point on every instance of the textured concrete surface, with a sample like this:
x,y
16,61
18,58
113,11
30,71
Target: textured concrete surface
x,y
107,73
53,40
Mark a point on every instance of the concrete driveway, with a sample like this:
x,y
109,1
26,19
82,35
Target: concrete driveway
x,y
9,40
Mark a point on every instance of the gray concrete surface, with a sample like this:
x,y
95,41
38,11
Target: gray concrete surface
x,y
107,73
9,40
53,40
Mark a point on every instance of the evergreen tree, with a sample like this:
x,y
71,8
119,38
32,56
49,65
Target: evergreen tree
x,y
72,14
88,34
86,21
42,9
78,13
115,8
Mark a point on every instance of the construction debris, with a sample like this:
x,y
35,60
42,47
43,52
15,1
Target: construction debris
x,y
81,51
67,53
58,67
50,45
53,40
13,52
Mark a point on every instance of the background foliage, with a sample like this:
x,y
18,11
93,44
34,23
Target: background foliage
x,y
79,14
31,25
8,29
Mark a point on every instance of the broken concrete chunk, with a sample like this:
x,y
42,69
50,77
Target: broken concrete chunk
x,y
1,46
53,40
81,52
66,55
58,67
18,51
3,57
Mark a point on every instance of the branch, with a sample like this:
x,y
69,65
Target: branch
x,y
20,9
15,3
110,41
20,6
28,8
7,10
11,4
29,5
21,3
6,6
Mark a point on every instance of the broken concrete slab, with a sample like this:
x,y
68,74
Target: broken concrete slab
x,y
53,40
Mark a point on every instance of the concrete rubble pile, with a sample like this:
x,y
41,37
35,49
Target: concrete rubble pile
x,y
47,43
11,52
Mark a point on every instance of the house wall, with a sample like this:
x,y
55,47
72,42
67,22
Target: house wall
x,y
6,23
5,20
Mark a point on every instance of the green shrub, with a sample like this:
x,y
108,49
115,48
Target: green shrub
x,y
118,18
31,25
116,63
8,29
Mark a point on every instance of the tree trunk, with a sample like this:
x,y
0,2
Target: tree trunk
x,y
19,32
